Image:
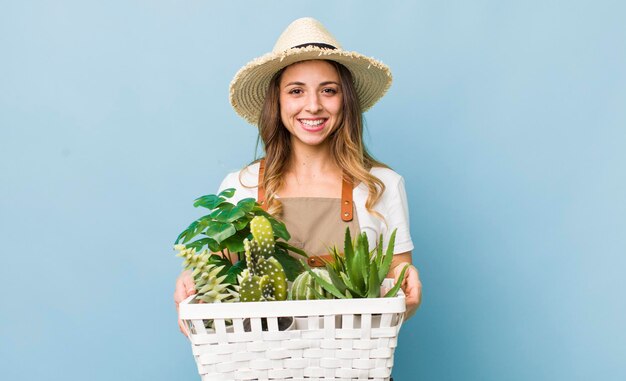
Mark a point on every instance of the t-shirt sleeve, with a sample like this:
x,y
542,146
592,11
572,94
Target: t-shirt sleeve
x,y
397,217
247,189
232,181
227,183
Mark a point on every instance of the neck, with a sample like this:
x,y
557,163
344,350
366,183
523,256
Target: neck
x,y
311,161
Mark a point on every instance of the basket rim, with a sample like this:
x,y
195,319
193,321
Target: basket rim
x,y
190,310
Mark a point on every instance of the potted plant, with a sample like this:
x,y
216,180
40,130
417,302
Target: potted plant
x,y
238,300
358,273
245,233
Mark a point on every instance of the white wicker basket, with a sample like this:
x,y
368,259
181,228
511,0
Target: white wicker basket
x,y
346,339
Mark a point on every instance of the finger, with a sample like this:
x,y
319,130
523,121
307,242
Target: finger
x,y
189,284
183,328
412,276
185,287
413,293
180,292
414,286
398,273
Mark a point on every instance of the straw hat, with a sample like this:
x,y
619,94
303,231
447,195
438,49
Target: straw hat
x,y
305,39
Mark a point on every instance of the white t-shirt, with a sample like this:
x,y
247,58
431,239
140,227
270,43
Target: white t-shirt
x,y
392,205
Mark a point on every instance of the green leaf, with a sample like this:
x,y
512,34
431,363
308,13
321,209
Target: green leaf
x,y
350,286
374,284
221,212
358,266
188,234
379,252
293,249
396,287
220,231
234,244
181,236
200,243
386,263
325,285
336,279
348,249
218,260
318,295
280,230
339,261
292,266
229,215
228,193
234,271
209,201
241,224
193,230
214,246
246,204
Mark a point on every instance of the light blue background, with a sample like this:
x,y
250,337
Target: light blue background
x,y
507,120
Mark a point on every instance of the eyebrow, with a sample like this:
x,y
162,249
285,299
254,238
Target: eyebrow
x,y
304,84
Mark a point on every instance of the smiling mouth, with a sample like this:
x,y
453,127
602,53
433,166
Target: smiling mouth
x,y
313,125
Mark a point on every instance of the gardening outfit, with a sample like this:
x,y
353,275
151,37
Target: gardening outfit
x,y
392,206
316,224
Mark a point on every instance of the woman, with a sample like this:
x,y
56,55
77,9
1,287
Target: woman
x,y
307,97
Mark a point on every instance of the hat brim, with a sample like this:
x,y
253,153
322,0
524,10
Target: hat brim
x,y
248,88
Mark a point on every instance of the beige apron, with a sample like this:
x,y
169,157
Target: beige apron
x,y
316,224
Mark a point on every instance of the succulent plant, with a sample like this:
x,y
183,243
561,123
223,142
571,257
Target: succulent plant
x,y
264,278
358,273
210,285
305,287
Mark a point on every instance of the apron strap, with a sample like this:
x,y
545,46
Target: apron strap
x,y
320,260
261,185
346,193
346,209
346,198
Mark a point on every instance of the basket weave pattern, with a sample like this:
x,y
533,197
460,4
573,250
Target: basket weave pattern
x,y
328,340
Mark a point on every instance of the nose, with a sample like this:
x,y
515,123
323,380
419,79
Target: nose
x,y
313,104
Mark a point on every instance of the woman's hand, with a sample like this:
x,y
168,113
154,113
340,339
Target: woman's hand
x,y
185,287
411,284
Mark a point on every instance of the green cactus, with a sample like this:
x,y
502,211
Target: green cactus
x,y
264,279
263,234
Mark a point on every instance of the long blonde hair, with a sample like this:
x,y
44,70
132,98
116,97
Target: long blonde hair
x,y
346,143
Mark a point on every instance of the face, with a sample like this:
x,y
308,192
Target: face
x,y
310,101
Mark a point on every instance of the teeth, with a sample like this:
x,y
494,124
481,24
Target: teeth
x,y
316,122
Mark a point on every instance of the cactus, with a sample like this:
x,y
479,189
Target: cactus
x,y
210,287
264,278
305,287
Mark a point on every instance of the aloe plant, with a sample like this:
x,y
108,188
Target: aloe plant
x,y
359,272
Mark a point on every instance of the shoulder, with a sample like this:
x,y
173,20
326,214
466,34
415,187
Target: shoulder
x,y
247,177
394,185
244,181
394,191
387,175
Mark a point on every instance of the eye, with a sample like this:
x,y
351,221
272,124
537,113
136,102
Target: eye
x,y
329,90
295,91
